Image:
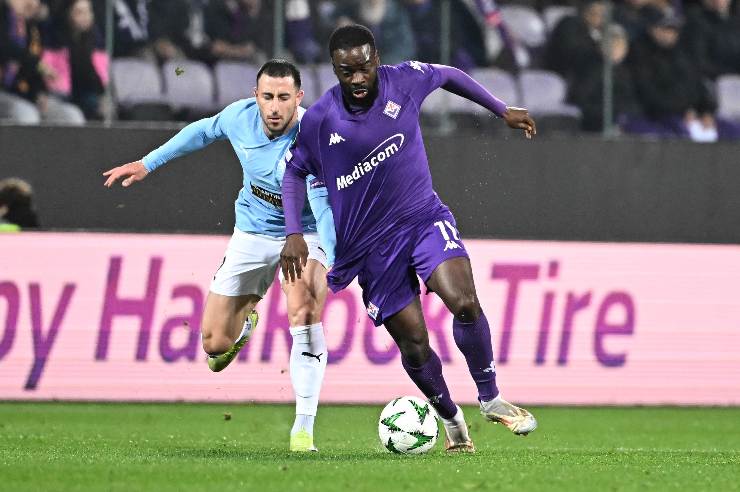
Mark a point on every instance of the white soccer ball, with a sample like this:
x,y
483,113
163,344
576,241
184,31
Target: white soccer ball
x,y
408,425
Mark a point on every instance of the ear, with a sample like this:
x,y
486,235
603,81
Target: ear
x,y
299,97
3,210
254,92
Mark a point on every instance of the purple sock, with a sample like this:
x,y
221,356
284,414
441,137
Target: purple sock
x,y
474,341
428,378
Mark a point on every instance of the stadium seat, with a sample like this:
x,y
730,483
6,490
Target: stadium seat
x,y
555,13
499,83
136,81
526,24
234,81
189,85
544,92
728,96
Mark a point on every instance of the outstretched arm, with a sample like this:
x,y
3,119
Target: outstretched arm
x,y
460,83
193,137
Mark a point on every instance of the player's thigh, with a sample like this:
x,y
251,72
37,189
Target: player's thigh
x,y
247,271
441,260
453,282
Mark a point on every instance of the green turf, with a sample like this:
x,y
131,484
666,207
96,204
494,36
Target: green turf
x,y
50,446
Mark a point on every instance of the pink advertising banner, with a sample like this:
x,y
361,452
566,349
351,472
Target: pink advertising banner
x,y
116,317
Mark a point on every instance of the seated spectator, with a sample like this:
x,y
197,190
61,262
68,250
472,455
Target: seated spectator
x,y
586,89
79,60
176,29
23,72
630,14
713,38
670,89
575,43
239,29
131,20
16,205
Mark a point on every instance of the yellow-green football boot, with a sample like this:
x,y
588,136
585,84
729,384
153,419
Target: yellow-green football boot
x,y
302,442
218,363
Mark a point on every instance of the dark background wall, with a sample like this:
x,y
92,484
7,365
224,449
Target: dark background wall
x,y
568,188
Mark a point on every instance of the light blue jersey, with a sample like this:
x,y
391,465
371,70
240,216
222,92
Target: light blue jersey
x,y
258,207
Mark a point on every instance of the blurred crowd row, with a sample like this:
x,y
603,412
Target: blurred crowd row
x,y
668,55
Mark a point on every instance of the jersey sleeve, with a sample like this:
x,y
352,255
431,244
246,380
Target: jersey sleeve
x,y
422,78
195,136
318,199
302,157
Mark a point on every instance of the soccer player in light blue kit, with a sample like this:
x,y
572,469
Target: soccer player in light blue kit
x,y
260,130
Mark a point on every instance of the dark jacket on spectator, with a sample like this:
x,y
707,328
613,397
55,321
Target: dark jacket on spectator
x,y
571,49
667,81
586,91
713,41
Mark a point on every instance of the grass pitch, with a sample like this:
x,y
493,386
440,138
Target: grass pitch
x,y
125,447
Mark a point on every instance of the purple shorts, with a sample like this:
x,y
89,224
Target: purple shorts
x,y
389,275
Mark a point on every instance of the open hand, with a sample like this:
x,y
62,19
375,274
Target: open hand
x,y
131,173
519,119
293,257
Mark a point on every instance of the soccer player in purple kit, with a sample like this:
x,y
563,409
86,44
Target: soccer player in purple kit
x,y
362,138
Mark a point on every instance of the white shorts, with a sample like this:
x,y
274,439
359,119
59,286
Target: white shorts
x,y
251,260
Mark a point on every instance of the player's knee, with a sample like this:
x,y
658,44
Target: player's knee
x,y
466,308
216,344
303,315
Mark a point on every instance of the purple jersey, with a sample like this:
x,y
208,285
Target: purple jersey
x,y
374,163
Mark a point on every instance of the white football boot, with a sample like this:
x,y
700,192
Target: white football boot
x,y
457,439
517,420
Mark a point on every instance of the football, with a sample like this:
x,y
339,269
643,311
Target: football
x,y
408,425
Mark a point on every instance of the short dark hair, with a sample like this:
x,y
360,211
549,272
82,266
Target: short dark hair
x,y
350,36
278,67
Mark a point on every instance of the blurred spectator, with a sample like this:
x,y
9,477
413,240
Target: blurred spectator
x,y
586,89
16,205
23,72
575,43
670,88
498,36
176,29
79,60
131,26
630,14
299,33
388,21
240,29
713,38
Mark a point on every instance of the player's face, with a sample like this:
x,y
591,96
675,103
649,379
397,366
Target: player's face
x,y
278,99
357,71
